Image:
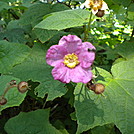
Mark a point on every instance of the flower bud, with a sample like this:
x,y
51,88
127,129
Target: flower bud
x,y
12,82
100,13
90,85
99,88
23,87
3,101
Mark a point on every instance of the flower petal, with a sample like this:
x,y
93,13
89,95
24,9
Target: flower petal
x,y
65,74
61,73
86,59
71,42
55,55
87,3
88,45
79,74
104,6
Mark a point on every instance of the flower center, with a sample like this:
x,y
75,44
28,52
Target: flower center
x,y
71,60
96,4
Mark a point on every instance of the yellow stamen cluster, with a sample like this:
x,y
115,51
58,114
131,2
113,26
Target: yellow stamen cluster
x,y
71,60
96,4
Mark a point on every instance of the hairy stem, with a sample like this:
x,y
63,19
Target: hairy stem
x,y
87,29
7,89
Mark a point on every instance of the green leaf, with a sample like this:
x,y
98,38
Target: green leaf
x,y
64,19
130,15
11,35
117,105
131,23
36,69
60,126
35,13
106,129
3,5
52,87
44,34
11,54
13,96
123,2
126,50
9,0
131,7
27,3
35,122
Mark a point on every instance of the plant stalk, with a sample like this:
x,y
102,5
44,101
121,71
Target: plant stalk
x,y
87,29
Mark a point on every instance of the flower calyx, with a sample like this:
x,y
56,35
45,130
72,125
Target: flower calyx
x,y
23,87
3,101
100,13
98,88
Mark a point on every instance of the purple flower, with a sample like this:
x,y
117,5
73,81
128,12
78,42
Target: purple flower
x,y
71,60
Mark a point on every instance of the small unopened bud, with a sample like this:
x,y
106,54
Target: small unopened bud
x,y
3,101
23,87
99,88
100,13
12,82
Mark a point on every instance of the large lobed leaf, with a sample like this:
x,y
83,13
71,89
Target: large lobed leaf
x,y
13,96
36,69
11,54
64,19
117,105
126,50
35,122
43,34
35,13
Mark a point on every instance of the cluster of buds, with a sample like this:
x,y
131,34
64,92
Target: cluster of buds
x,y
98,88
22,88
98,7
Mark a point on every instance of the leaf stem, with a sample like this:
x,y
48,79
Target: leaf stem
x,y
7,89
87,29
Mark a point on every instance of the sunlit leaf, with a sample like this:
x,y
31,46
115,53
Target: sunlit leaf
x,y
126,50
44,34
64,19
117,105
35,13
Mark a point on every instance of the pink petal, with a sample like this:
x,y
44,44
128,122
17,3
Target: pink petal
x,y
61,73
86,59
55,55
65,74
88,45
79,74
71,42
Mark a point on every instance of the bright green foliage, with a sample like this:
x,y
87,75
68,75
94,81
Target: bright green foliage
x,y
35,68
36,122
11,54
28,28
123,2
36,12
64,19
44,34
126,50
14,98
117,105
